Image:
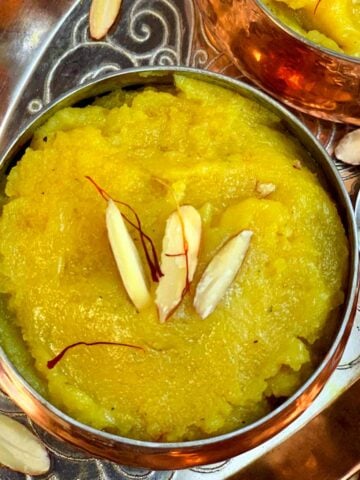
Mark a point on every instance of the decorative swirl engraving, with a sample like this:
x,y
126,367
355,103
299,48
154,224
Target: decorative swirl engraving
x,y
164,57
109,68
153,32
35,105
352,364
200,59
145,30
153,26
208,469
80,31
140,474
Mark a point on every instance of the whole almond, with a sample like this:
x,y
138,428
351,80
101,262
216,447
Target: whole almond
x,y
20,449
103,14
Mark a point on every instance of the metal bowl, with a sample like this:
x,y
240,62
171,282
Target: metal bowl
x,y
185,454
300,73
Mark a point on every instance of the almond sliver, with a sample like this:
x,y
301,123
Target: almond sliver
x,y
103,14
220,273
127,258
20,449
176,273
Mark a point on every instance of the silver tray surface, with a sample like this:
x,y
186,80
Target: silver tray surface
x,y
46,50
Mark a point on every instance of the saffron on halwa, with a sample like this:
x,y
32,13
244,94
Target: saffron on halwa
x,y
334,24
192,378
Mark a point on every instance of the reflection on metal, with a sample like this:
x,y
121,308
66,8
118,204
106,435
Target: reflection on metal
x,y
318,81
327,448
357,216
44,51
26,30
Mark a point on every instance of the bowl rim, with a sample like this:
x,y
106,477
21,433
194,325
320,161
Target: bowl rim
x,y
242,88
314,46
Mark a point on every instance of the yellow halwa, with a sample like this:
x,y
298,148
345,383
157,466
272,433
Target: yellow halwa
x,y
194,378
334,24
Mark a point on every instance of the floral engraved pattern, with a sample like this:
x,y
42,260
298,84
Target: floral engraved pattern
x,y
150,32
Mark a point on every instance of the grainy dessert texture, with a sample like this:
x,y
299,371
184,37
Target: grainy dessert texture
x,y
334,24
193,378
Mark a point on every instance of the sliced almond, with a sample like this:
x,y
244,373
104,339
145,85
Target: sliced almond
x,y
265,189
176,270
127,258
348,149
220,273
20,449
103,14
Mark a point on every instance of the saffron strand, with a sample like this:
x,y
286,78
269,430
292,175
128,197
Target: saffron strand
x,y
154,264
53,362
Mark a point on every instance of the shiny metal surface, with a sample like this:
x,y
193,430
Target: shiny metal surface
x,y
357,215
149,32
26,29
327,448
180,455
307,77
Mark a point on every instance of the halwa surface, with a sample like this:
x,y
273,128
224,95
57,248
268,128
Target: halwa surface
x,y
194,378
334,24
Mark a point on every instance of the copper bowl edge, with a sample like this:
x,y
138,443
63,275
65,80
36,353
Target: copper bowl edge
x,y
165,456
310,78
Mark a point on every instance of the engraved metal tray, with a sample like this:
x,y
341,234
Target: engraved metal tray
x,y
45,50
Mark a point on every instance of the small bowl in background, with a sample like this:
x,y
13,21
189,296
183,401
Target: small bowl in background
x,y
305,76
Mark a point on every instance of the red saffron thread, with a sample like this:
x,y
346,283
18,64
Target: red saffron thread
x,y
185,242
53,362
153,263
186,251
182,254
316,6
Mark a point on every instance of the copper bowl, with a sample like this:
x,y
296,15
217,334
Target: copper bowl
x,y
187,454
300,73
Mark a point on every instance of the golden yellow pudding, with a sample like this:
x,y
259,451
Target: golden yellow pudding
x,y
190,377
334,24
